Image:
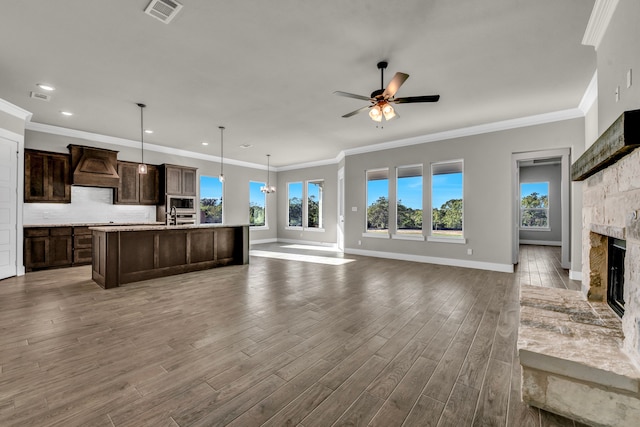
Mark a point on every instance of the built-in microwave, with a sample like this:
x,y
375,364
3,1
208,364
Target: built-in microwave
x,y
181,203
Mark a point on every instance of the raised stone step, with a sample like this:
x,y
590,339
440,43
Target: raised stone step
x,y
572,360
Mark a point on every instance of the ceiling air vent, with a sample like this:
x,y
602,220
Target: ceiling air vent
x,y
163,10
41,96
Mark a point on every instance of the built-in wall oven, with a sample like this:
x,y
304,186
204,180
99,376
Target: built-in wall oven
x,y
181,210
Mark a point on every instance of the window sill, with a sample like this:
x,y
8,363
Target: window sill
x,y
258,227
314,229
535,229
400,236
293,228
457,240
376,235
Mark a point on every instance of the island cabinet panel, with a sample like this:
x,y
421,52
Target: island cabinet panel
x,y
129,254
174,249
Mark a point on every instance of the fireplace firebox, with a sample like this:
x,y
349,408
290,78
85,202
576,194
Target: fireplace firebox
x,y
615,283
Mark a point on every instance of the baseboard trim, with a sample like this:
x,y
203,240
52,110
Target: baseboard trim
x,y
541,242
575,275
308,242
480,265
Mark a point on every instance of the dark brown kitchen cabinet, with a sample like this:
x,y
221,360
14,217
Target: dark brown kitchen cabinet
x,y
180,180
134,188
47,247
81,245
46,177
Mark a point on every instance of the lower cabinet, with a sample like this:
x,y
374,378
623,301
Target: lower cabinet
x,y
52,247
48,247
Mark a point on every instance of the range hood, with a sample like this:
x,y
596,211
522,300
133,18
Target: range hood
x,y
93,167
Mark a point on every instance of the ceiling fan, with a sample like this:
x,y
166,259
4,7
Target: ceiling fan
x,y
382,98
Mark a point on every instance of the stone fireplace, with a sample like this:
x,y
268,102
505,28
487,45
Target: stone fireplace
x,y
581,358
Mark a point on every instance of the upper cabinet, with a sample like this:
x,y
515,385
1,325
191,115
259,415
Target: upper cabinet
x,y
180,180
134,188
46,177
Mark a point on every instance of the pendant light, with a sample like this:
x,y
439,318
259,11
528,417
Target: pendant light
x,y
221,177
267,189
142,167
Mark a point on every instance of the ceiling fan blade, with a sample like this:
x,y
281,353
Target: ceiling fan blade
x,y
352,95
359,110
410,99
394,85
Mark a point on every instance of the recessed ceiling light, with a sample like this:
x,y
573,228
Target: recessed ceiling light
x,y
205,143
246,145
148,131
45,86
66,113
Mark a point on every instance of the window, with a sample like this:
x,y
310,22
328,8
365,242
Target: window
x,y
409,200
314,204
446,200
534,205
295,204
378,201
210,200
257,205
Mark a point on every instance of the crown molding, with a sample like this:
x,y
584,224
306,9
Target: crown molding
x,y
538,119
599,22
14,110
590,95
106,139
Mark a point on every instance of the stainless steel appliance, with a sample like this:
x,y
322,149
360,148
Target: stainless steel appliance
x,y
181,210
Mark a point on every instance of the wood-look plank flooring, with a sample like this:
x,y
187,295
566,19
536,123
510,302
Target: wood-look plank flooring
x,y
277,342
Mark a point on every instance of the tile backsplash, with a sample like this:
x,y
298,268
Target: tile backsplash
x,y
88,205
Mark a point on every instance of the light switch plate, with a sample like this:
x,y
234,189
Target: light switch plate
x,y
354,209
629,82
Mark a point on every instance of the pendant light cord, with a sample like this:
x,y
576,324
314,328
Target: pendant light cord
x,y
141,132
221,150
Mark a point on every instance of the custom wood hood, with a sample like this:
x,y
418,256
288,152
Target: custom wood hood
x,y
93,167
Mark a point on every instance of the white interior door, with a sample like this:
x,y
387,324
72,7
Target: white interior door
x,y
8,207
340,226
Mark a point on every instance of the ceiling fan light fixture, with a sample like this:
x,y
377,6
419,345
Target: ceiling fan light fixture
x,y
375,113
388,111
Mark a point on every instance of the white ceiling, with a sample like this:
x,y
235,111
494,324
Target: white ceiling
x,y
267,70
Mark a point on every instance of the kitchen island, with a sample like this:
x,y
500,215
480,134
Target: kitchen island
x,y
133,253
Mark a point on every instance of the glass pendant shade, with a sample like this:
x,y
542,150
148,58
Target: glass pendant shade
x,y
142,167
376,114
388,111
268,189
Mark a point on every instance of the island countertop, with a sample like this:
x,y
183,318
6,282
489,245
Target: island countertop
x,y
147,227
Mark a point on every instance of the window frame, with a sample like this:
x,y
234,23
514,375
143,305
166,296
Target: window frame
x,y
265,226
383,233
215,179
409,234
547,209
289,226
305,223
441,239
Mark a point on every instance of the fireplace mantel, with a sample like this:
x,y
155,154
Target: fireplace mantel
x,y
622,137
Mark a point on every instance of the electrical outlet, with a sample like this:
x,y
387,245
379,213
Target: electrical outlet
x,y
617,93
359,242
629,82
469,251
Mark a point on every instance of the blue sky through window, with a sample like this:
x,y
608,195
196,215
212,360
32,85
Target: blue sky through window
x,y
527,188
376,189
445,187
256,197
410,191
210,187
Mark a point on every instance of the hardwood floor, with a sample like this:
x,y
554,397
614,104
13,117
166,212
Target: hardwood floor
x,y
320,340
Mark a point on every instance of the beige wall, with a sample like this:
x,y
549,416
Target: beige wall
x,y
11,123
617,53
488,189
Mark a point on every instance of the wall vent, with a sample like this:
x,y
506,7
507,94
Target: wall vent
x,y
163,10
40,96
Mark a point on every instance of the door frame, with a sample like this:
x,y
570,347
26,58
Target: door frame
x,y
17,144
565,199
340,211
